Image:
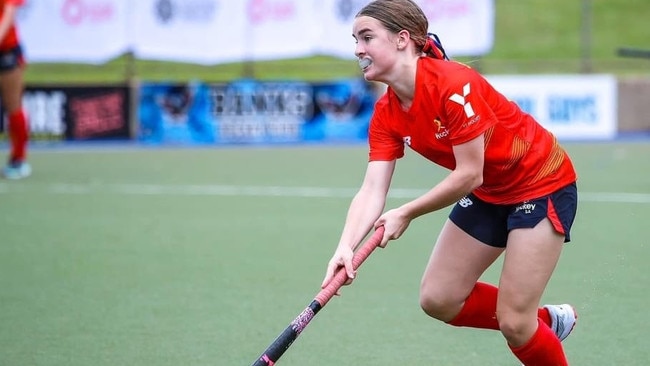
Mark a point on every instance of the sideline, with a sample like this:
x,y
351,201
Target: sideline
x,y
130,146
257,191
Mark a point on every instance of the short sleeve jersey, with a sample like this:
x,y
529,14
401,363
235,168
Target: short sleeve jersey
x,y
10,40
454,104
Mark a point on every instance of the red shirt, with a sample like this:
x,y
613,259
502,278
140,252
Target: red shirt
x,y
10,40
454,104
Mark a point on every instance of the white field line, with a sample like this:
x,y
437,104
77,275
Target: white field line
x,y
258,191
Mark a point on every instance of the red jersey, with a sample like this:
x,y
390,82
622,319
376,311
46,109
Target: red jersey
x,y
454,104
10,40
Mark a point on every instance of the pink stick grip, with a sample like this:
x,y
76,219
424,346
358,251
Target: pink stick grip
x,y
341,276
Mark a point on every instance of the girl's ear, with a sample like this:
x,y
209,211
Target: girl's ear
x,y
403,38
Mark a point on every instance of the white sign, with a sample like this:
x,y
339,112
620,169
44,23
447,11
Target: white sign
x,y
572,107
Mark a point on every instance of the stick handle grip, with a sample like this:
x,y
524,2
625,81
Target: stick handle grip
x,y
341,276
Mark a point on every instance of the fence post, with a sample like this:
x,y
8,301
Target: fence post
x,y
585,37
132,82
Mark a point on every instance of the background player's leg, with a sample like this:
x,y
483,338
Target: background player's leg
x,y
11,91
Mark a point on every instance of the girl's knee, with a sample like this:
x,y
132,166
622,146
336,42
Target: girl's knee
x,y
516,328
438,307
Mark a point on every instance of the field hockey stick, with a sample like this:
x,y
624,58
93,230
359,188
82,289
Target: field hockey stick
x,y
286,338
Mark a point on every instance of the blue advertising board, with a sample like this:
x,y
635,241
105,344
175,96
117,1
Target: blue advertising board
x,y
255,112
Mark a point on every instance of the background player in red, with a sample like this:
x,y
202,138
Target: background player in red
x,y
12,65
513,185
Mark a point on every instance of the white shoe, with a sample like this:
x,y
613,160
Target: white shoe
x,y
17,170
563,319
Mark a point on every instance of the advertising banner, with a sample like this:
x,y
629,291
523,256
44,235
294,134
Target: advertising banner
x,y
221,31
218,31
88,31
76,113
278,29
465,27
254,112
571,106
199,31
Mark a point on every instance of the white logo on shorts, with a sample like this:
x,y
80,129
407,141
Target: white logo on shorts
x,y
526,207
465,202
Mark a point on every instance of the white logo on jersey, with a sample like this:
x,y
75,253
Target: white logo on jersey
x,y
407,140
465,202
460,99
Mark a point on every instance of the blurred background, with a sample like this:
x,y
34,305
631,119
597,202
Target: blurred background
x,y
535,36
151,50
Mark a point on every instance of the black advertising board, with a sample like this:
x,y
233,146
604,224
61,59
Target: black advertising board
x,y
76,113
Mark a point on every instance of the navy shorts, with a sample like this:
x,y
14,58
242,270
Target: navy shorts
x,y
11,59
491,223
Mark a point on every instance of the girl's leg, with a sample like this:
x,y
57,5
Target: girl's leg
x,y
528,265
450,280
449,290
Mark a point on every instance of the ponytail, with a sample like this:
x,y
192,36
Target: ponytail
x,y
433,47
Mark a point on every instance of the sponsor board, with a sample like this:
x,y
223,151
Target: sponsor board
x,y
58,113
249,112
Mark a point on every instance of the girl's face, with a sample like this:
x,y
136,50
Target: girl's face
x,y
376,48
